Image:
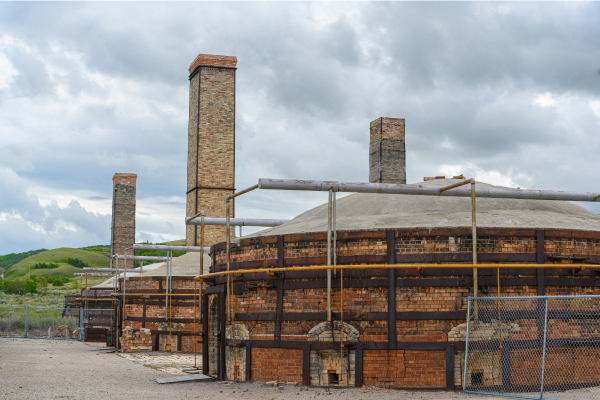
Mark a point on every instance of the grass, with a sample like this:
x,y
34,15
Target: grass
x,y
95,259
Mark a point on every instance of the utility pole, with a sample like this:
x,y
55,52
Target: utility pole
x,y
29,253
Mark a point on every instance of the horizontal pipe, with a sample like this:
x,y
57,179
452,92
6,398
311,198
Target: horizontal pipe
x,y
92,275
236,221
108,269
386,266
162,247
424,190
142,258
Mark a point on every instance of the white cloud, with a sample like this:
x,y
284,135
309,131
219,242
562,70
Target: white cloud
x,y
544,100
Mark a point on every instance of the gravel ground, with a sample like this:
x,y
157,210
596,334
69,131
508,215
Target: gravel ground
x,y
53,369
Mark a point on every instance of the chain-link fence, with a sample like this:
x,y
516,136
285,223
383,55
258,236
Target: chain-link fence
x,y
543,347
54,323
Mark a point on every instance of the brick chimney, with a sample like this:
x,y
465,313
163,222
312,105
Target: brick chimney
x,y
122,230
387,155
211,143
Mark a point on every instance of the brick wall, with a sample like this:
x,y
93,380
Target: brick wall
x,y
211,143
284,365
123,216
387,153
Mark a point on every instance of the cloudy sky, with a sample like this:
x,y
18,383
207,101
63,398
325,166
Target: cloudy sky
x,y
508,93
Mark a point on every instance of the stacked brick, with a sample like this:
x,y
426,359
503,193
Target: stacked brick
x,y
123,216
387,152
211,143
135,342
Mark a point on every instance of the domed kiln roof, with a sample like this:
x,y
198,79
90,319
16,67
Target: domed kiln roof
x,y
362,211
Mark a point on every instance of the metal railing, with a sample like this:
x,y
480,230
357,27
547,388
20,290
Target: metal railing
x,y
535,347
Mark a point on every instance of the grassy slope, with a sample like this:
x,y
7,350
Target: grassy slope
x,y
95,259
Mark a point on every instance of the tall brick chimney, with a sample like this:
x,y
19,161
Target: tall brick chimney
x,y
211,143
387,154
122,230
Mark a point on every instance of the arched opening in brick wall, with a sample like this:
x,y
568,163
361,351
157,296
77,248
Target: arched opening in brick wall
x,y
213,344
236,356
332,367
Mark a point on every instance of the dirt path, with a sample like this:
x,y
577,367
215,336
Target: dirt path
x,y
52,369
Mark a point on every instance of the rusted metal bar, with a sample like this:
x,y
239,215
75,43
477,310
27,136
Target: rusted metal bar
x,y
106,270
251,188
424,190
455,185
91,274
474,234
227,249
329,218
236,221
201,256
272,271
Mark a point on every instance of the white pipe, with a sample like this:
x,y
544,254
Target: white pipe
x,y
142,258
425,190
107,269
162,247
236,221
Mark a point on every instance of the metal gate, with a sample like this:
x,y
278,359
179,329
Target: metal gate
x,y
538,347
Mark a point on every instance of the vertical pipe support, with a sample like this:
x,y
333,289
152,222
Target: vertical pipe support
x,y
228,245
474,239
81,323
464,385
329,221
201,260
27,321
544,348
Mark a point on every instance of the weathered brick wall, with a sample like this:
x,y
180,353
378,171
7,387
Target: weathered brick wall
x,y
123,216
284,365
211,143
387,153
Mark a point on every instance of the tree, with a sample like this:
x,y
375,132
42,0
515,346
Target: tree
x,y
30,286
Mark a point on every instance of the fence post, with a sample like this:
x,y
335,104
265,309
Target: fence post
x,y
467,344
544,349
26,321
80,323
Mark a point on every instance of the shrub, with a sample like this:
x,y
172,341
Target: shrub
x,y
13,286
43,265
76,262
30,286
57,281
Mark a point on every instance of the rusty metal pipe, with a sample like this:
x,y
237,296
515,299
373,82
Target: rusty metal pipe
x,y
454,185
228,245
474,239
385,266
424,190
233,196
329,218
91,274
201,258
236,221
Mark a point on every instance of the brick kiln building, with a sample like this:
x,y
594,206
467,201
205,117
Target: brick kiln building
x,y
401,327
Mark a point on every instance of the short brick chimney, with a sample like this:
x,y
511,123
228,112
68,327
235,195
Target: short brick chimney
x,y
387,154
122,230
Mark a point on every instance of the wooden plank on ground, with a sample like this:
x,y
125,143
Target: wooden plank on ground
x,y
183,378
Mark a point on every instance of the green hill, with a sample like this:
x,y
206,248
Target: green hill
x,y
94,258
